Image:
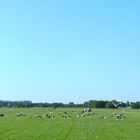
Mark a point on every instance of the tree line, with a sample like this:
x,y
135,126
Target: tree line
x,y
88,104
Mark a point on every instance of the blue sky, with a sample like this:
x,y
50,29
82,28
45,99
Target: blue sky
x,y
67,50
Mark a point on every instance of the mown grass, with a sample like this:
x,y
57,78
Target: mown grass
x,y
87,128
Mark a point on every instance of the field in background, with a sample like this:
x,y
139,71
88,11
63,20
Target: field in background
x,y
85,128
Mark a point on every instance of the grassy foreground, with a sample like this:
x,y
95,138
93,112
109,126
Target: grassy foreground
x,y
74,128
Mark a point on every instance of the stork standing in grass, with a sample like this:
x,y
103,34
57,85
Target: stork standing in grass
x,y
2,115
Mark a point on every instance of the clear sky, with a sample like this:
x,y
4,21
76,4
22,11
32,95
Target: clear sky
x,y
70,50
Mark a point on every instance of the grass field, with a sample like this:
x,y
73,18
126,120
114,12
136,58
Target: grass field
x,y
74,128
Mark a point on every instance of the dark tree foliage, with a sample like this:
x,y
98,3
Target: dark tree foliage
x,y
135,105
88,104
109,105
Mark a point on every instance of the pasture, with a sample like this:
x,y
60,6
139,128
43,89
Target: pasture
x,y
99,126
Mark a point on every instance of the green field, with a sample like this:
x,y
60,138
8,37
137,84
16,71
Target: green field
x,y
75,128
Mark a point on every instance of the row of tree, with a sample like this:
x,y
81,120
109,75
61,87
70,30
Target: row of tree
x,y
90,104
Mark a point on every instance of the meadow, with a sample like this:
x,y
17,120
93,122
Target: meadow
x,y
101,126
